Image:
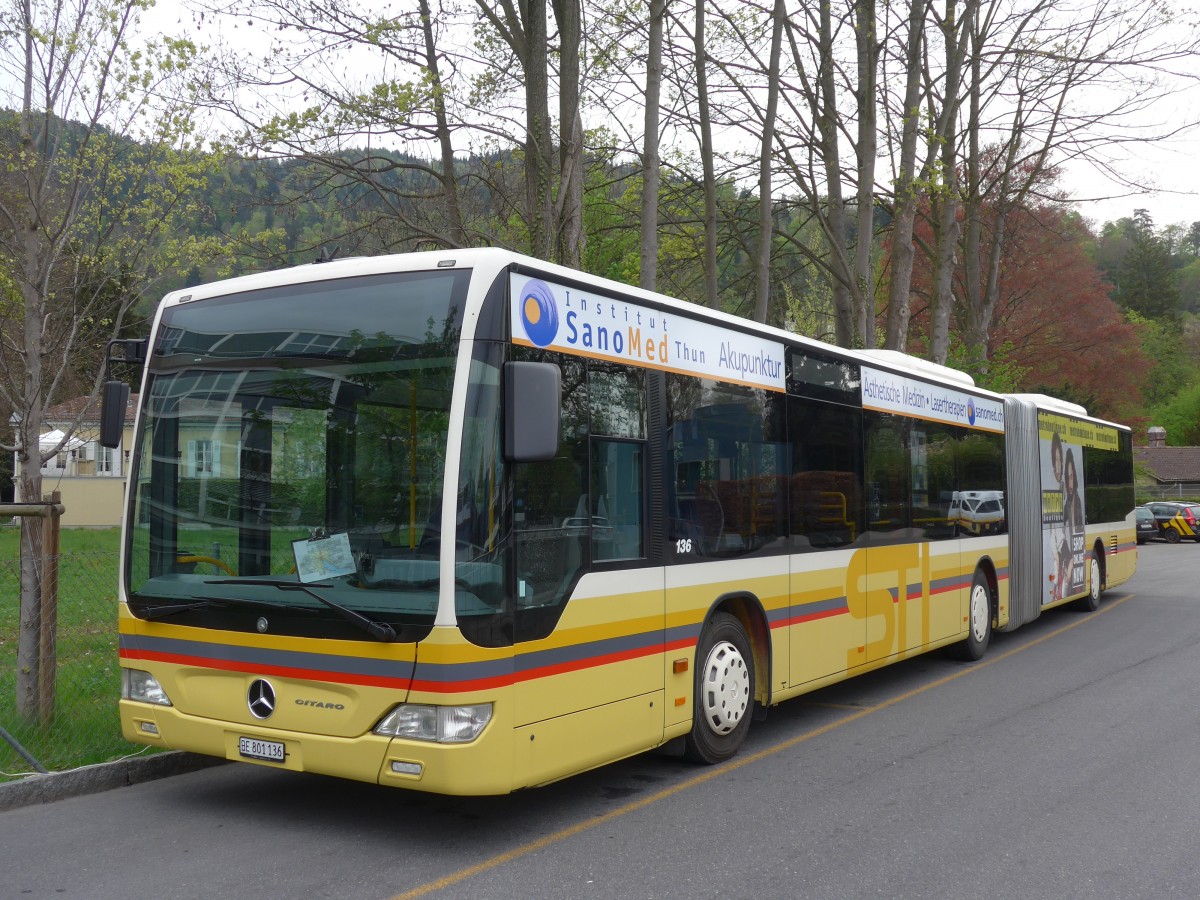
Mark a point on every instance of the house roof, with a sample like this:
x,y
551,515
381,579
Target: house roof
x,y
86,411
1170,464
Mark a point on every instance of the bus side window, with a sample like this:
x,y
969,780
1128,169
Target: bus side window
x,y
617,500
826,486
617,406
728,492
888,476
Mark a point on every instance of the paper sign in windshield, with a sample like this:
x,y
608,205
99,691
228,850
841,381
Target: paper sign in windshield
x,y
321,558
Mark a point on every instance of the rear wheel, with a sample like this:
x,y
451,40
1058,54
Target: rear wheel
x,y
1091,602
724,691
1171,535
979,621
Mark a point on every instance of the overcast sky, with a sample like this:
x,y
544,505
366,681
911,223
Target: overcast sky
x,y
1173,166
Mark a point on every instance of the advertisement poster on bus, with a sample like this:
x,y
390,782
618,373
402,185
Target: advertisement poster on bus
x,y
1063,539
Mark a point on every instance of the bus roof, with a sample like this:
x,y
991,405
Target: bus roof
x,y
492,261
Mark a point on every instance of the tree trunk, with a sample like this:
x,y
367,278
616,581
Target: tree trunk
x,y
946,242
29,484
706,161
905,209
864,273
834,221
522,26
538,141
765,208
458,235
569,212
947,224
29,455
648,275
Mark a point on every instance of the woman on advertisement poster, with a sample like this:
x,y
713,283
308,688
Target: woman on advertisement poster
x,y
1073,520
1056,547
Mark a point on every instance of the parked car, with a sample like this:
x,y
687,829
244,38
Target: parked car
x,y
977,512
1147,527
1176,520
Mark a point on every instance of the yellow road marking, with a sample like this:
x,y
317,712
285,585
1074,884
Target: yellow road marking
x,y
733,765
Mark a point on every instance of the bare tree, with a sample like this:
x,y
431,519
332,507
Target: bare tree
x,y
832,107
1048,82
300,91
90,115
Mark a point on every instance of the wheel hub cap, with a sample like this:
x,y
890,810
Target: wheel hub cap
x,y
726,688
979,612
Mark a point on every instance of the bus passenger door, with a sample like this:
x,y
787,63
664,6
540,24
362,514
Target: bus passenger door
x,y
827,504
588,624
906,583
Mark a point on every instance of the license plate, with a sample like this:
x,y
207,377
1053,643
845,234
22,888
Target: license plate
x,y
253,748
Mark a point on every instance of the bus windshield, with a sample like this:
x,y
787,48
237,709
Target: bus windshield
x,y
281,420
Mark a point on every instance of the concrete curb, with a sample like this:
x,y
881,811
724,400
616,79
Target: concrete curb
x,y
102,777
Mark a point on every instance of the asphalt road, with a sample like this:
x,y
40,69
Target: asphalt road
x,y
1065,764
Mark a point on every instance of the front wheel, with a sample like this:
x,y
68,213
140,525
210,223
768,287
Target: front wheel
x,y
979,621
724,691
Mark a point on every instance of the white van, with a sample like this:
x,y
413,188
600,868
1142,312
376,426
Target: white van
x,y
977,512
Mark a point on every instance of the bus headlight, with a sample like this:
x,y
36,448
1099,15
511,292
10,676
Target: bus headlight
x,y
142,687
442,724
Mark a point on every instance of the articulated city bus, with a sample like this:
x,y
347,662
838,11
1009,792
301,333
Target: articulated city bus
x,y
467,522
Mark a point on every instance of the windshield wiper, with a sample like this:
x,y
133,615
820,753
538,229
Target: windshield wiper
x,y
161,612
379,630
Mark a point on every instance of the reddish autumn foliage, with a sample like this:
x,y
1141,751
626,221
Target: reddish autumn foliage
x,y
1054,318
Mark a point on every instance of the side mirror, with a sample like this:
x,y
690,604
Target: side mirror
x,y
532,411
114,398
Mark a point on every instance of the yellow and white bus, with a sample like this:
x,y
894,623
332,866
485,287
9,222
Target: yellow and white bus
x,y
466,522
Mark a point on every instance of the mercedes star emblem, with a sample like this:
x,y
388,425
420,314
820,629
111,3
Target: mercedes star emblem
x,y
261,699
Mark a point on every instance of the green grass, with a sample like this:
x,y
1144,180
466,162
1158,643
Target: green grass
x,y
85,727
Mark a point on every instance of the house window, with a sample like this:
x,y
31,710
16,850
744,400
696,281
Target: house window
x,y
105,459
204,459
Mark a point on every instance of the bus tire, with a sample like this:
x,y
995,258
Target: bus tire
x,y
1090,602
979,620
723,697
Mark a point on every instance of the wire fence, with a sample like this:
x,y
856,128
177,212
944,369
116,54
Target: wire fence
x,y
82,727
1182,490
